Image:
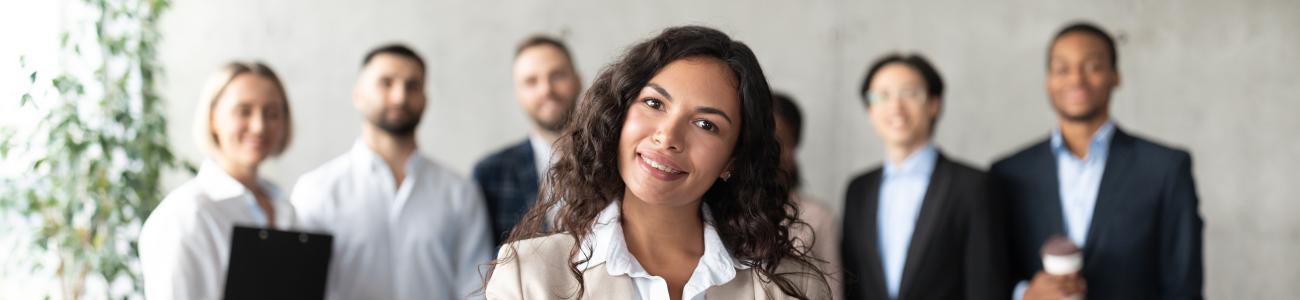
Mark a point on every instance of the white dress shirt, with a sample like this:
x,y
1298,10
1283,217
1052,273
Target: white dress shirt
x,y
902,191
185,242
716,267
423,239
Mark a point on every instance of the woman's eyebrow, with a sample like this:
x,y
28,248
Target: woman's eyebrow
x,y
712,110
660,89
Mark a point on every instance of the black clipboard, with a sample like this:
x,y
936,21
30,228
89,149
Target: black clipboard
x,y
277,264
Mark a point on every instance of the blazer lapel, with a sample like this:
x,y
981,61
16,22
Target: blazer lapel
x,y
1113,180
936,195
870,208
1049,188
599,285
526,174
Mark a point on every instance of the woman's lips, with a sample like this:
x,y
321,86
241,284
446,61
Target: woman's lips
x,y
659,167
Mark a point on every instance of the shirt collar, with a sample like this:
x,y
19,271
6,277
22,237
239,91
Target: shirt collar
x,y
366,157
1100,144
542,156
219,186
606,245
920,163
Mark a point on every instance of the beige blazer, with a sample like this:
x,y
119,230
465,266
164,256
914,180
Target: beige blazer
x,y
540,270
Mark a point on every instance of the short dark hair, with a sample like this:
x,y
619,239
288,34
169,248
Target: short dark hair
x,y
789,112
395,49
1087,28
543,40
933,82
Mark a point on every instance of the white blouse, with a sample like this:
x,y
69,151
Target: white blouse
x,y
716,267
185,242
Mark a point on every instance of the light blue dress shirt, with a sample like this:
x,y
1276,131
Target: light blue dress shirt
x,y
902,189
1080,179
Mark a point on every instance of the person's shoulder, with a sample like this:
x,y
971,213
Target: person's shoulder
x,y
1025,153
1149,150
188,199
544,248
327,174
538,259
803,276
505,157
864,176
444,176
963,169
179,212
533,268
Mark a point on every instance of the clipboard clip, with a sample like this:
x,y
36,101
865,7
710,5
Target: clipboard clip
x,y
263,235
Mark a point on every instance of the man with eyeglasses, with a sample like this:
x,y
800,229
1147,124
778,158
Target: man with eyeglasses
x,y
1128,203
922,226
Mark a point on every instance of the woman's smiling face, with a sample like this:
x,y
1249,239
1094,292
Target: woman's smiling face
x,y
680,131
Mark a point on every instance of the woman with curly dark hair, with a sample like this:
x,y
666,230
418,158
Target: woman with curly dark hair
x,y
667,186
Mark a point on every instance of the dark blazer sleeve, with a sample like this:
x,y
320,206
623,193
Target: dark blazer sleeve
x,y
1181,256
987,271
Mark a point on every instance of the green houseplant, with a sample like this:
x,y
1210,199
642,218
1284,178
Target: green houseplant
x,y
91,167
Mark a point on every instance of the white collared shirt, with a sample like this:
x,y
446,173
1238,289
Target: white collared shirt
x,y
422,239
185,243
542,155
716,267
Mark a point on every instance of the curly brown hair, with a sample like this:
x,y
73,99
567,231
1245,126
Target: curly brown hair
x,y
751,211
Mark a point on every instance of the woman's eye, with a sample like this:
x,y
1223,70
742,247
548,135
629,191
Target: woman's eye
x,y
653,103
706,125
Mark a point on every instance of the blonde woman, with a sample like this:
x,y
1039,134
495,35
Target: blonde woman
x,y
241,120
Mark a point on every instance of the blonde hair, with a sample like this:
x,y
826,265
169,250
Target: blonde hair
x,y
216,86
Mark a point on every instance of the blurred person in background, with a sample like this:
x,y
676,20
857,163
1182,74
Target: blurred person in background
x,y
547,87
1129,203
242,120
821,228
404,226
922,226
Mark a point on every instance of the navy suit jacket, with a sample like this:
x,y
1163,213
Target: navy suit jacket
x,y
958,245
509,182
1145,239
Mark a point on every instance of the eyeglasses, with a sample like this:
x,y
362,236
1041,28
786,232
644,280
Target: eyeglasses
x,y
913,96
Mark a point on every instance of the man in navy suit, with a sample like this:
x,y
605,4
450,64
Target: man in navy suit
x,y
546,86
1129,203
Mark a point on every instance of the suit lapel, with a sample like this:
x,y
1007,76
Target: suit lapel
x,y
870,208
936,195
526,173
1109,194
1049,189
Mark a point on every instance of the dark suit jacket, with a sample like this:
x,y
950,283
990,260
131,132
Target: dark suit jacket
x,y
957,249
509,182
1145,238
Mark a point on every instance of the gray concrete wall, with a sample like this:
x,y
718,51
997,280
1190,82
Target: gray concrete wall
x,y
1213,77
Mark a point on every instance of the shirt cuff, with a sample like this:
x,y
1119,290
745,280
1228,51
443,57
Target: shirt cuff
x,y
1019,294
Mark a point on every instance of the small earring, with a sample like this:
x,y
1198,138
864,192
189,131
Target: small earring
x,y
726,175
